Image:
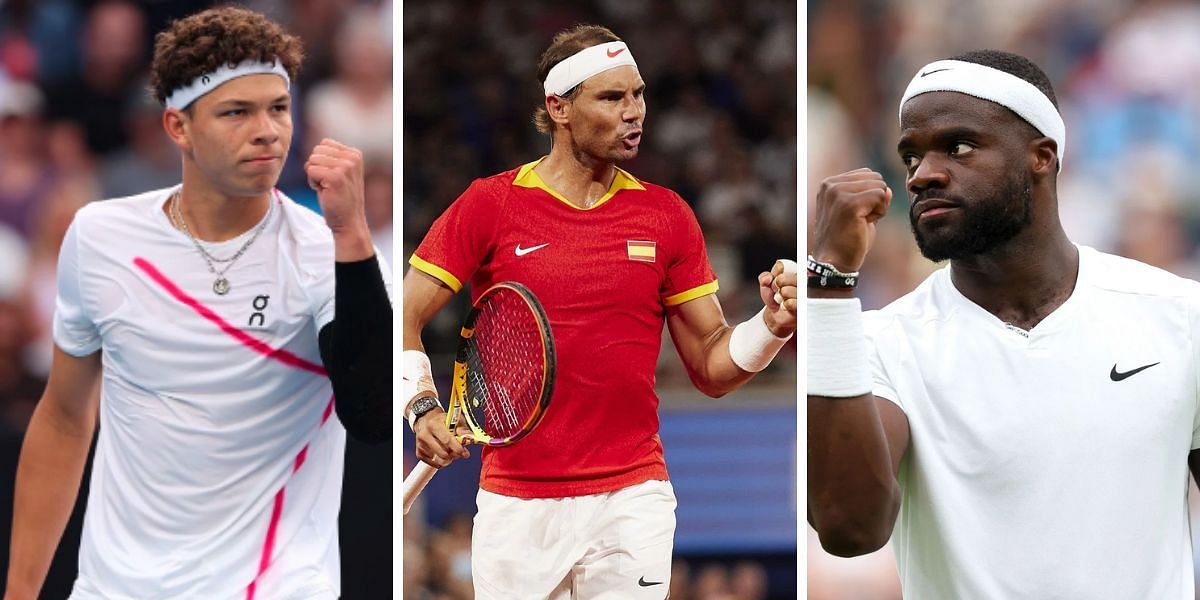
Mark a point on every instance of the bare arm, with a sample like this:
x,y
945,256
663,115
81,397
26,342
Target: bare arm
x,y
424,296
855,445
702,336
50,469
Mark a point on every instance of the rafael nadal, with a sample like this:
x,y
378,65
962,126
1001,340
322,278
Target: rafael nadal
x,y
583,507
218,318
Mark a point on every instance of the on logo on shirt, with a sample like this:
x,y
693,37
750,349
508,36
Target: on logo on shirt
x,y
258,319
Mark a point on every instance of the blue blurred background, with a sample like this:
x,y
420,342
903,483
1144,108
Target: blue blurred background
x,y
1127,77
77,125
721,131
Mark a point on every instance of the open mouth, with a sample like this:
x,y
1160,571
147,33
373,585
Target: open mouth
x,y
632,140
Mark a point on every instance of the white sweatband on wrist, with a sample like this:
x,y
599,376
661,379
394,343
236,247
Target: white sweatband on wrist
x,y
573,70
994,85
752,345
416,379
838,366
182,96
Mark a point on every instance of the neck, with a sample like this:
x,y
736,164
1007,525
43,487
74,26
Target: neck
x,y
1023,280
213,216
578,177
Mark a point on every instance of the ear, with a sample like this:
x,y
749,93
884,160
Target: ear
x,y
1043,153
178,127
559,110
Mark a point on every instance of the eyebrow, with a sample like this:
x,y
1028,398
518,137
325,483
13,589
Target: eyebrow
x,y
942,136
242,102
603,91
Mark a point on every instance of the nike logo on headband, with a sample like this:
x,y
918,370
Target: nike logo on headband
x,y
612,54
934,71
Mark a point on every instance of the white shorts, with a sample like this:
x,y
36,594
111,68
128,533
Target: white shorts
x,y
612,546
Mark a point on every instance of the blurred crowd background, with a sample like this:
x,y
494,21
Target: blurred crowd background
x,y
1127,77
720,130
78,125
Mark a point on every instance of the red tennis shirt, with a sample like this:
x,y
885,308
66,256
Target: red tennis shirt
x,y
605,276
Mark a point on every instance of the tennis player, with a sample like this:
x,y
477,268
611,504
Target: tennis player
x,y
582,508
214,316
1026,418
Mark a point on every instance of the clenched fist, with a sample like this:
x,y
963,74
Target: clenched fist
x,y
335,171
847,208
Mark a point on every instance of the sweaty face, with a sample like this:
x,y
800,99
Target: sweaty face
x,y
605,117
970,187
240,134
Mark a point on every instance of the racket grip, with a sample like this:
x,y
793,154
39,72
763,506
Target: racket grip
x,y
416,481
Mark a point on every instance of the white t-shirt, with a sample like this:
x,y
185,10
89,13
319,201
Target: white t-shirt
x,y
1050,463
218,465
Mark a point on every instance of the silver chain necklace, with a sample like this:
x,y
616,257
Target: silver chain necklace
x,y
221,284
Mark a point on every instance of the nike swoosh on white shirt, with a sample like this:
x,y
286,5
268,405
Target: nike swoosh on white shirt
x,y
523,251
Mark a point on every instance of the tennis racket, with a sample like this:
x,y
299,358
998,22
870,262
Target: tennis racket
x,y
503,374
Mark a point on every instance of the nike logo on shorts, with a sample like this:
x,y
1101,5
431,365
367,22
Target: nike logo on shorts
x,y
523,251
642,582
1118,376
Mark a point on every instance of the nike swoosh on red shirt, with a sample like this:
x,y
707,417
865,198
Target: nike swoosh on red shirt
x,y
612,54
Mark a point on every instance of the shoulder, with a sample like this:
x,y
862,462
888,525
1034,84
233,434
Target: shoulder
x,y
112,212
1120,275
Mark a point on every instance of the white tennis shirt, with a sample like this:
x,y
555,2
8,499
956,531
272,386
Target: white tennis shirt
x,y
219,465
1052,464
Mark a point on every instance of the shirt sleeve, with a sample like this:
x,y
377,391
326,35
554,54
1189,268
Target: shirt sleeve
x,y
73,329
326,306
460,239
689,274
881,384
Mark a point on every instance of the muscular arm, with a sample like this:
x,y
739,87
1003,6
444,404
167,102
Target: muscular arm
x,y
855,446
702,336
424,296
50,469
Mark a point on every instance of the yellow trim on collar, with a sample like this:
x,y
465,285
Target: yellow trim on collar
x,y
700,290
435,271
527,177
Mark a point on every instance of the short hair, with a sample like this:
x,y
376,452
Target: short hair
x,y
227,35
1013,64
564,45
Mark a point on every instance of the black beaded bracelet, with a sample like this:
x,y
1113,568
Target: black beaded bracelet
x,y
826,276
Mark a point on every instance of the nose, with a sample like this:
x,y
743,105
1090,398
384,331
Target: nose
x,y
930,173
266,129
634,110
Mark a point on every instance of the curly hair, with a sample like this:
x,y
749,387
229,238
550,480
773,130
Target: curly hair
x,y
564,45
227,35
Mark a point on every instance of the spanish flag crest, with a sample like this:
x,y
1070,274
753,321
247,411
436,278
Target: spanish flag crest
x,y
640,250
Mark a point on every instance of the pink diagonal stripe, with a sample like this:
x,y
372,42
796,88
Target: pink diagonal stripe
x,y
263,562
278,354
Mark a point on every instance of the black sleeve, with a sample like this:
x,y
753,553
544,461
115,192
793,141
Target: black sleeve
x,y
356,348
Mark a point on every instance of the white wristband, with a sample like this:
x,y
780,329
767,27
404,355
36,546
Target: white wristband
x,y
752,345
838,366
416,379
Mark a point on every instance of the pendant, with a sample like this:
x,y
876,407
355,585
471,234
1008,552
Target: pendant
x,y
221,286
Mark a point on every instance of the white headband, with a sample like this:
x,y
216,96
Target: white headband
x,y
993,85
574,69
181,97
